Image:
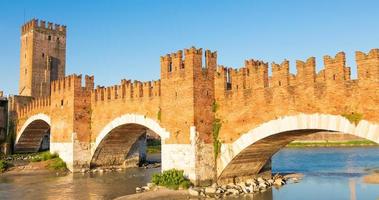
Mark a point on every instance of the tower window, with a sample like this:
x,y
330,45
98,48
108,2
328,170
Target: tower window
x,y
49,37
57,39
280,83
62,102
170,67
43,55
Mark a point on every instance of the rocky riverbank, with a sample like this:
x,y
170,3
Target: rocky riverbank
x,y
250,186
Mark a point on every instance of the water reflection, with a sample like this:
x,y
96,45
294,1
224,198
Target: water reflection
x,y
328,174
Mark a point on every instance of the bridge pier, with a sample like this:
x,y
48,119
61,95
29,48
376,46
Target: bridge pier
x,y
75,153
195,159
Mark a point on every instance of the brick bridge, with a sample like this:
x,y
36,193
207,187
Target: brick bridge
x,y
210,118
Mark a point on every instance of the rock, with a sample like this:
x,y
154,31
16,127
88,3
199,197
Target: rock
x,y
193,192
138,189
150,185
260,180
262,185
146,188
278,182
232,191
210,190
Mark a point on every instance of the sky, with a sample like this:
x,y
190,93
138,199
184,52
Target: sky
x,y
115,40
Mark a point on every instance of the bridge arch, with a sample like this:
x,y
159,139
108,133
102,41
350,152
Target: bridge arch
x,y
250,152
116,139
32,133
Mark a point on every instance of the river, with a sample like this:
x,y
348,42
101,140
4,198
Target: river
x,y
329,173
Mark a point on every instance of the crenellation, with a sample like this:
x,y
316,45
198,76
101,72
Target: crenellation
x,y
147,89
335,69
193,51
33,106
177,63
42,25
258,73
166,66
67,83
137,89
306,71
367,66
89,82
280,74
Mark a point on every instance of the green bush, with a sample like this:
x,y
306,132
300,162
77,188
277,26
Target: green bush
x,y
36,159
172,179
44,156
353,117
3,165
57,164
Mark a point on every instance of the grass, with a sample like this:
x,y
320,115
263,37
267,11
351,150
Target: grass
x,y
353,143
3,165
43,156
57,164
172,179
153,146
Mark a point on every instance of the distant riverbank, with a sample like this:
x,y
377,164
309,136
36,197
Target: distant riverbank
x,y
353,143
156,147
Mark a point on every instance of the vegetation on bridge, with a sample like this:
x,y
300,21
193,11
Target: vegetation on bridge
x,y
216,126
173,179
159,114
353,117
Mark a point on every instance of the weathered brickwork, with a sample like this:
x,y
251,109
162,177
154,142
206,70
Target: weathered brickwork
x,y
331,91
98,126
42,57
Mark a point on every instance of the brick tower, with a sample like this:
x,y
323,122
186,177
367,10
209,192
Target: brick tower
x,y
42,58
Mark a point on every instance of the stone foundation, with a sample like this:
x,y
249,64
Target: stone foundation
x,y
65,152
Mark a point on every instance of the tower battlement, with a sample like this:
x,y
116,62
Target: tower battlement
x,y
36,24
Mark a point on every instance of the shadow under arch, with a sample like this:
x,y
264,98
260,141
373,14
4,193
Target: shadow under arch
x,y
249,154
34,135
123,137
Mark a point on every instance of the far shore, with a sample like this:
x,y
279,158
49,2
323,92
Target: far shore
x,y
324,143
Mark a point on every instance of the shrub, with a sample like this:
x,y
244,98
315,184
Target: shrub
x,y
3,165
57,164
172,179
44,156
215,133
353,117
36,159
48,156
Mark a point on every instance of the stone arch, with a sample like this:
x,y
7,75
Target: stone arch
x,y
117,138
258,145
32,133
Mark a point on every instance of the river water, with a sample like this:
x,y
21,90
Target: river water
x,y
329,173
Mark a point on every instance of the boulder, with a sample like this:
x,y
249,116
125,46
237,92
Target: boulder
x,y
193,192
261,180
210,190
278,182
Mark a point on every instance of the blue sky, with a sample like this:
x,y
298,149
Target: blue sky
x,y
124,39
